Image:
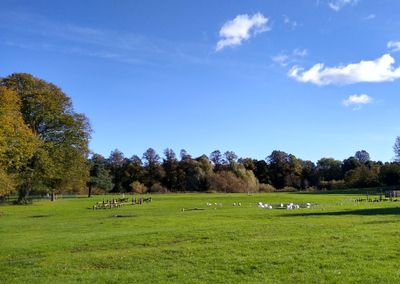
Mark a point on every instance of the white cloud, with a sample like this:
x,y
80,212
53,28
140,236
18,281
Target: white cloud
x,y
378,70
393,46
357,101
241,28
337,5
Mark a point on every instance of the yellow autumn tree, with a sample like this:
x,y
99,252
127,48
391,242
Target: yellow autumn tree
x,y
17,142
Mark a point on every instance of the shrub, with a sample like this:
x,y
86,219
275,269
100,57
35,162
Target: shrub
x,y
158,188
312,189
98,191
263,187
138,187
289,189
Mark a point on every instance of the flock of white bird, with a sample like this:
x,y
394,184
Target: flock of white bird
x,y
215,204
289,206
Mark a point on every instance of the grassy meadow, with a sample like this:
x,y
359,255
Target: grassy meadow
x,y
335,241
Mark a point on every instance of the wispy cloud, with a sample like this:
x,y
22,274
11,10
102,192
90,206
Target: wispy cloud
x,y
282,59
289,22
285,59
34,32
337,5
369,17
378,70
393,46
300,52
357,101
241,28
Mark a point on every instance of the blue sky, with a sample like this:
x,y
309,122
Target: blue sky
x,y
312,78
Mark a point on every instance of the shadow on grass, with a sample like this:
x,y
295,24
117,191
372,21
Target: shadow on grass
x,y
367,212
39,216
122,216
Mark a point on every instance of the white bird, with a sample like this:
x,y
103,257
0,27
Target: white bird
x,y
240,204
234,204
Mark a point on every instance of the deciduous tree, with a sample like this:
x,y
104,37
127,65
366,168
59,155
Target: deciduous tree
x,y
99,176
153,169
362,156
63,133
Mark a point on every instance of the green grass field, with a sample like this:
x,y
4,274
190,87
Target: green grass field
x,y
335,241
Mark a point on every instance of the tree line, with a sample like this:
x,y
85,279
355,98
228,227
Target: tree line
x,y
225,172
44,149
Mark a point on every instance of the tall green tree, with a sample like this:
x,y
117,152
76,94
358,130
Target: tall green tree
x,y
262,172
99,176
329,169
170,166
216,159
390,174
135,169
153,170
350,164
285,169
309,176
115,164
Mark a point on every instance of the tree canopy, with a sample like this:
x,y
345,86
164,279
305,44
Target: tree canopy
x,y
59,162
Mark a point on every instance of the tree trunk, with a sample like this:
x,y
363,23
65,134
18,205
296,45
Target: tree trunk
x,y
53,196
23,196
90,191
